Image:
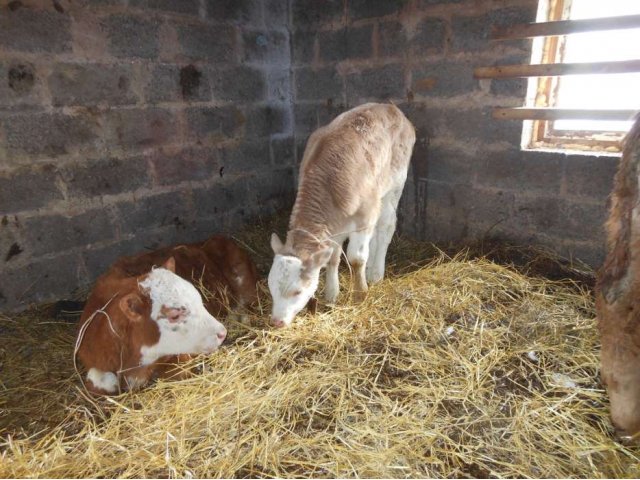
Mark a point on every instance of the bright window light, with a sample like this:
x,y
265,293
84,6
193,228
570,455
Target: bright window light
x,y
614,91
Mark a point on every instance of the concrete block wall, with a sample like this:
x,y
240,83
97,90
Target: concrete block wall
x,y
470,179
130,124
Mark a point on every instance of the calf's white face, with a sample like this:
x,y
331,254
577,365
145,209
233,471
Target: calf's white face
x,y
292,282
186,327
290,290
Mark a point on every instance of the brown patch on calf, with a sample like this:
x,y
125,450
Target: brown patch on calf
x,y
312,306
617,292
234,262
174,315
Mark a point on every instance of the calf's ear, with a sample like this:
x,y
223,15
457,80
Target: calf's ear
x,y
132,305
170,264
276,243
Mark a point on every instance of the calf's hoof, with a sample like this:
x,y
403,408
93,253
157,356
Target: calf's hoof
x,y
374,275
359,296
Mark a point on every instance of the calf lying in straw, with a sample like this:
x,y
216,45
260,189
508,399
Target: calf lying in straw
x,y
618,293
351,178
139,320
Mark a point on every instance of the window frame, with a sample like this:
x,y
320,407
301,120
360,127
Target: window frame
x,y
541,134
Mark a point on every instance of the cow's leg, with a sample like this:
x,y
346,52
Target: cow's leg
x,y
102,382
332,282
373,248
358,254
623,385
137,378
382,235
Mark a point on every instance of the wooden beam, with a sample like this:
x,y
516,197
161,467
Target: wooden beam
x,y
542,113
564,27
557,69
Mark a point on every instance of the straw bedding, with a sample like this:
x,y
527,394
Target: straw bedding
x,y
452,367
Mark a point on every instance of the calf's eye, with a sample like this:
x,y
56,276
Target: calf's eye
x,y
174,315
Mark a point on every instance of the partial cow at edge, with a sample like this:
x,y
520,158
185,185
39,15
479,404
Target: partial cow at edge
x,y
144,315
351,179
618,293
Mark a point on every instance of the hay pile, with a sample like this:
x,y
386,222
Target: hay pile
x,y
461,368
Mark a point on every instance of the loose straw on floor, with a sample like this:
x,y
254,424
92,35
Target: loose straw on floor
x,y
458,368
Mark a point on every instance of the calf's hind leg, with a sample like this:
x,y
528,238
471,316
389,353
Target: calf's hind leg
x,y
382,236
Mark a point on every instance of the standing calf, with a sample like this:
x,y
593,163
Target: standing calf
x,y
618,293
351,179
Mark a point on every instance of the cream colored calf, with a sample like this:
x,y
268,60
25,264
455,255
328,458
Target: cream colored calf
x,y
351,179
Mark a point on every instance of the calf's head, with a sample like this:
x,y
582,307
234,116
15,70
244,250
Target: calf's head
x,y
293,281
184,324
144,318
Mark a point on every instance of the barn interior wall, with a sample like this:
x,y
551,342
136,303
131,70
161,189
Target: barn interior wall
x,y
470,180
130,124
126,125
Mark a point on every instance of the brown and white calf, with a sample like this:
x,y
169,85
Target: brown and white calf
x,y
351,179
618,293
140,320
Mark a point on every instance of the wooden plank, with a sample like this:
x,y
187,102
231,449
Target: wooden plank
x,y
557,69
548,113
564,27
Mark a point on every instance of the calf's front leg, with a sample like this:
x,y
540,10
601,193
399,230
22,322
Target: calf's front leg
x,y
358,254
332,281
